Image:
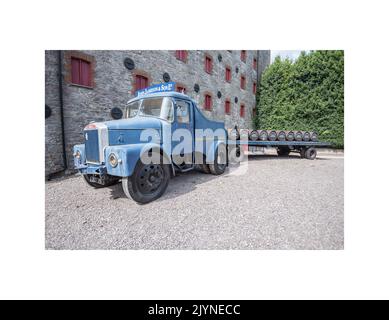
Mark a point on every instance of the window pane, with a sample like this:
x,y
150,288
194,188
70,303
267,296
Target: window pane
x,y
75,71
182,111
85,73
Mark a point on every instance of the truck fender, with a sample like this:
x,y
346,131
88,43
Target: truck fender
x,y
128,156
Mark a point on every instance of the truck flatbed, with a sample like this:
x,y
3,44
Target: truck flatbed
x,y
316,144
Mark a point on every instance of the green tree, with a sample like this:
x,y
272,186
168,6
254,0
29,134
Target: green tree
x,y
307,94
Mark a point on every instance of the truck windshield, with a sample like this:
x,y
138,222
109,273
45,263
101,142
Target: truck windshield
x,y
161,107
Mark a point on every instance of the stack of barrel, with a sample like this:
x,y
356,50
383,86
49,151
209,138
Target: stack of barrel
x,y
272,135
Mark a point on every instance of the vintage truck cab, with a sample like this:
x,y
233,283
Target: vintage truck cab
x,y
162,132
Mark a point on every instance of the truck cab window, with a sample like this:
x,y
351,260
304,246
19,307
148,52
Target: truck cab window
x,y
132,109
182,111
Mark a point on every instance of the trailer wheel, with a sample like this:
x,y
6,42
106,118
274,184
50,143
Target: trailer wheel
x,y
107,183
220,163
283,152
311,153
148,182
302,152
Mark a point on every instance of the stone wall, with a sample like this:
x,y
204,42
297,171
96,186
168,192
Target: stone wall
x,y
53,134
113,85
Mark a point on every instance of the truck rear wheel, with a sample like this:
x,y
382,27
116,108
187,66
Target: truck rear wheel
x,y
220,162
107,182
311,154
205,168
147,183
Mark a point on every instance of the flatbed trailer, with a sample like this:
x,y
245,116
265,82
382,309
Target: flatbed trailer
x,y
307,149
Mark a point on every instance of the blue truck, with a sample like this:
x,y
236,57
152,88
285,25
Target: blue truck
x,y
162,132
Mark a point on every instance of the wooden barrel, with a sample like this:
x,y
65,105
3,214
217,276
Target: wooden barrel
x,y
314,136
306,136
271,135
262,135
244,134
233,134
281,135
290,136
254,135
298,136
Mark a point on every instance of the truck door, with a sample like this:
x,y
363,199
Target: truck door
x,y
183,132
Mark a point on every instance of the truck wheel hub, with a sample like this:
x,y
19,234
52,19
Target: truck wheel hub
x,y
150,178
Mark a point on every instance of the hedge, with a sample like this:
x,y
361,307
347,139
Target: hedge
x,y
307,94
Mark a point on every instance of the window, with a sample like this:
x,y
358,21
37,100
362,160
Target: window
x,y
228,74
243,82
208,102
181,89
182,111
156,107
208,64
141,82
254,87
255,63
81,72
242,111
227,107
243,55
181,55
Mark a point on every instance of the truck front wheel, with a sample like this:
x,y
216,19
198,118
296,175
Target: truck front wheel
x,y
147,183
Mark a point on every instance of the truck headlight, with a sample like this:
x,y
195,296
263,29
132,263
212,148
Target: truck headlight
x,y
77,154
113,160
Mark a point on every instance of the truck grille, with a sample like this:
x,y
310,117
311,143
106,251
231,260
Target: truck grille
x,y
92,146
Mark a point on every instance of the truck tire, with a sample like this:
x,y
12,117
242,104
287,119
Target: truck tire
x,y
147,183
96,185
220,163
314,136
310,153
205,168
283,152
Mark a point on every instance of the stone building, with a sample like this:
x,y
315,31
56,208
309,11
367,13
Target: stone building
x,y
85,86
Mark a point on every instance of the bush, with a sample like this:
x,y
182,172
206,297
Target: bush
x,y
307,94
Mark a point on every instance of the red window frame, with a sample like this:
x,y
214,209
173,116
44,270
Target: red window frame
x,y
207,102
181,55
254,87
81,72
242,111
255,63
208,64
180,89
141,82
227,106
243,82
228,74
243,55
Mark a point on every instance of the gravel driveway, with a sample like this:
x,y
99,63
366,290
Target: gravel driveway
x,y
281,203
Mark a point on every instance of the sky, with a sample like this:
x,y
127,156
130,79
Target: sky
x,y
292,54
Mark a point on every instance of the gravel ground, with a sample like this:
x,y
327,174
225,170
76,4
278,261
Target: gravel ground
x,y
280,203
